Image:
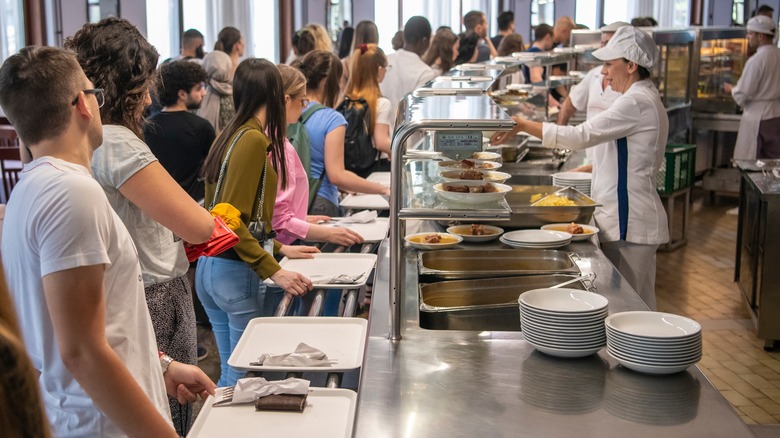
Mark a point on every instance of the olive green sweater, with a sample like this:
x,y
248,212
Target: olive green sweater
x,y
241,188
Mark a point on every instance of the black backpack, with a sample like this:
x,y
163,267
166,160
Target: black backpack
x,y
359,153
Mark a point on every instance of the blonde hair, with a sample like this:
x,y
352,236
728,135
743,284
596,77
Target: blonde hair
x,y
364,77
293,81
21,410
322,40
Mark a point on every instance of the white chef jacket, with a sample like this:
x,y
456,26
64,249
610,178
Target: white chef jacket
x,y
406,72
588,95
758,93
635,128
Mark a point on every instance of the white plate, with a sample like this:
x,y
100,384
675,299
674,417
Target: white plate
x,y
359,201
373,231
324,266
524,246
562,300
472,198
656,361
341,339
542,342
487,176
651,369
676,342
455,165
558,352
563,324
411,240
536,236
573,176
588,231
653,324
464,231
329,413
650,351
485,156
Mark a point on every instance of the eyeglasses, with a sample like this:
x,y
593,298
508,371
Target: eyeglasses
x,y
99,95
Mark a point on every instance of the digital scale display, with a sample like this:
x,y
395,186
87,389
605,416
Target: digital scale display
x,y
458,144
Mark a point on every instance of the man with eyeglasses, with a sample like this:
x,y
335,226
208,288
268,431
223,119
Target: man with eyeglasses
x,y
72,267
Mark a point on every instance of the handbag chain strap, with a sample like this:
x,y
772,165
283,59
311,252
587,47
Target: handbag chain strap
x,y
223,168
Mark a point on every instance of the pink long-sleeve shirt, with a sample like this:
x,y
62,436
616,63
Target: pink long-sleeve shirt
x,y
291,206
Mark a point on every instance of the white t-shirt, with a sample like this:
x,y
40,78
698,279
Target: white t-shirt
x,y
406,72
123,154
57,219
385,116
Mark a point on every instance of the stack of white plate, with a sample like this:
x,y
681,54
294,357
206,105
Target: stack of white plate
x,y
653,342
578,180
563,322
536,239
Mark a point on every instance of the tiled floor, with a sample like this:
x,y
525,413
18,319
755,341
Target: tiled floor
x,y
697,281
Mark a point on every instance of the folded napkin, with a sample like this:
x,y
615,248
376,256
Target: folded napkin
x,y
303,356
281,402
362,217
336,279
231,215
249,390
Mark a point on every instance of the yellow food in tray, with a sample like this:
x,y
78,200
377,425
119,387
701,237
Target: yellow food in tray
x,y
552,201
536,197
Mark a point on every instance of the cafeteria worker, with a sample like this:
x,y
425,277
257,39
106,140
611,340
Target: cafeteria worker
x,y
635,128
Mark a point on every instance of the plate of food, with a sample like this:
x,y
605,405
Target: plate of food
x,y
485,156
472,192
473,175
476,232
433,240
470,164
578,231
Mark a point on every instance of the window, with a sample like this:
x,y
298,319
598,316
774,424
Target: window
x,y
738,12
11,27
265,36
162,27
386,19
542,12
585,13
616,10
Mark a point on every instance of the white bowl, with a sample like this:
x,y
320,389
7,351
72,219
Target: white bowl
x,y
464,231
472,198
588,231
480,165
487,176
563,300
561,352
449,240
653,324
485,156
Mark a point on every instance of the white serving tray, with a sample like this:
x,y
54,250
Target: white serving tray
x,y
343,340
373,231
380,178
326,265
329,413
365,202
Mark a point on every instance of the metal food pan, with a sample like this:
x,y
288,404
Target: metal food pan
x,y
464,264
485,304
524,215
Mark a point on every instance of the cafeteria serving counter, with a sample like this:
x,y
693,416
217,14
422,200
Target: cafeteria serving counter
x,y
440,383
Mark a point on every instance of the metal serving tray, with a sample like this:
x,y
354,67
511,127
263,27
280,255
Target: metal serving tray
x,y
459,264
526,216
483,305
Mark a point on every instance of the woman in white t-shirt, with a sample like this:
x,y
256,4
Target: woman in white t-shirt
x,y
369,65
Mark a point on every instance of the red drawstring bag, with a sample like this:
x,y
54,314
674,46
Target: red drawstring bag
x,y
222,239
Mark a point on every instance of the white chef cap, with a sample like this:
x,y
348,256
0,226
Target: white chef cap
x,y
632,44
761,24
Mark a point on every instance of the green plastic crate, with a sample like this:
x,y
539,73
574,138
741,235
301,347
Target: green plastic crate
x,y
678,168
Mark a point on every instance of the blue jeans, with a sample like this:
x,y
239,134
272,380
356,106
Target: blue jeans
x,y
232,294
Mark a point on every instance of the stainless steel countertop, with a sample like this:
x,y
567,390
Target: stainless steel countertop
x,y
767,184
493,384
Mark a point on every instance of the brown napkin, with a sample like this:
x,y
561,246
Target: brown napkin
x,y
281,402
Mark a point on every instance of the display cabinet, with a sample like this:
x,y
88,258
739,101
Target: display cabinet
x,y
719,56
452,125
673,71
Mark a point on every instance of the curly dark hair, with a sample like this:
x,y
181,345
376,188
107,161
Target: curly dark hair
x,y
178,75
117,58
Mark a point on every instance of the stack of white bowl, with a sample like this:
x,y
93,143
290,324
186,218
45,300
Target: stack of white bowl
x,y
653,342
579,180
536,239
563,322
